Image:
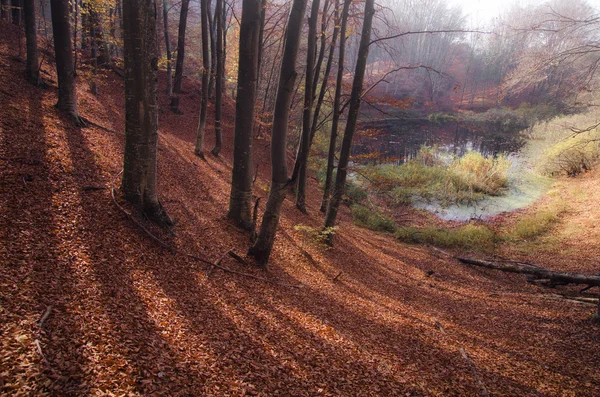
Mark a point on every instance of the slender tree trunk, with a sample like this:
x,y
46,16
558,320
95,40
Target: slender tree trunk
x,y
32,67
180,57
94,56
75,26
67,95
199,150
323,44
355,99
141,109
4,14
16,11
263,13
323,90
336,108
168,49
261,250
303,149
219,77
213,52
240,199
84,27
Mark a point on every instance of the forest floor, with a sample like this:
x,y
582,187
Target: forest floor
x,y
90,305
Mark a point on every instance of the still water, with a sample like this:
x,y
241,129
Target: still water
x,y
397,141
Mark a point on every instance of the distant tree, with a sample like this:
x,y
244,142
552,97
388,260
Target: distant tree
x,y
168,50
16,11
67,94
180,56
199,150
219,77
32,67
261,250
336,108
355,100
213,48
141,105
4,7
304,147
240,199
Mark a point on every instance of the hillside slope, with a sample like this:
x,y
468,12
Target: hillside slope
x,y
125,316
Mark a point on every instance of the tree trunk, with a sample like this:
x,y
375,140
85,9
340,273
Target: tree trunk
x,y
141,109
261,250
168,49
213,51
539,272
180,56
32,67
67,95
323,90
336,108
303,149
240,199
4,7
219,77
355,99
199,150
16,12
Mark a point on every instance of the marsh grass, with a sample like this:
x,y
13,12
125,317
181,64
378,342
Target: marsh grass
x,y
434,175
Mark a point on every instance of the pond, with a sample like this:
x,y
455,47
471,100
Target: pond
x,y
398,141
402,139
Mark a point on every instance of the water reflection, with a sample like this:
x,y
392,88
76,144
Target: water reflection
x,y
400,140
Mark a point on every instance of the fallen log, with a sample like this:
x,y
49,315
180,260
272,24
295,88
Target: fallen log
x,y
521,268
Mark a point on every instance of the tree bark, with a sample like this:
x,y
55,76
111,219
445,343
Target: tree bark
x,y
240,199
199,150
180,56
219,78
67,95
521,268
32,66
323,90
336,108
168,49
355,99
302,158
213,51
16,11
141,109
261,250
4,14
